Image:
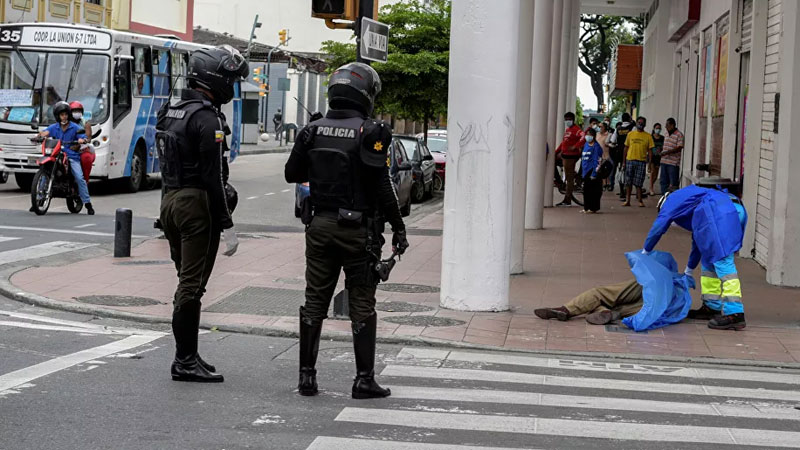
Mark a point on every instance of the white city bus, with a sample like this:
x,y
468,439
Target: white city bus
x,y
122,79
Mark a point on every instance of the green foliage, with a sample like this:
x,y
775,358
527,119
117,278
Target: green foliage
x,y
599,36
578,112
416,74
618,106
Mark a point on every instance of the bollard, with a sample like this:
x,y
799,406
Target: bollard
x,y
122,233
341,305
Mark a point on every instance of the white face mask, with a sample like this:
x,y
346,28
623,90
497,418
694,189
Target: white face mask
x,y
568,123
657,131
589,139
77,115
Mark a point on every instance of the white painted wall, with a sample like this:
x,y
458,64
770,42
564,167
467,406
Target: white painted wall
x,y
658,69
236,17
169,15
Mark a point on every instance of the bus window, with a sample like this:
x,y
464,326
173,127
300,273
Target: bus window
x,y
161,73
122,90
141,72
180,66
81,77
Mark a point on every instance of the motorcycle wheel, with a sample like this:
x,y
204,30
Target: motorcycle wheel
x,y
74,204
40,196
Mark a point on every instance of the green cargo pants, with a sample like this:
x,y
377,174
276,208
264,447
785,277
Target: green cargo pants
x,y
625,297
193,242
329,248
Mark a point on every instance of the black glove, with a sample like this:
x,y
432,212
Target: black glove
x,y
399,242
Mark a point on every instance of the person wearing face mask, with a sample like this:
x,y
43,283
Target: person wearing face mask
x,y
87,152
570,149
617,147
590,161
671,158
654,156
67,131
603,134
638,144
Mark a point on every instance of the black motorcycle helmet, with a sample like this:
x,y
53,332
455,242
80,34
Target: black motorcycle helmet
x,y
354,86
60,107
231,197
217,69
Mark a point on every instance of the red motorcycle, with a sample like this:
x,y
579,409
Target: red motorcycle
x,y
53,179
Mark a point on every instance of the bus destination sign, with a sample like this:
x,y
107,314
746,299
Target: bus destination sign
x,y
54,37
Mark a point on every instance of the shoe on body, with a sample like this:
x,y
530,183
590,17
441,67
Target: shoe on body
x,y
703,313
561,313
728,322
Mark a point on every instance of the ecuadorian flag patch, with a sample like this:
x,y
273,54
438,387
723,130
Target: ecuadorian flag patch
x,y
219,136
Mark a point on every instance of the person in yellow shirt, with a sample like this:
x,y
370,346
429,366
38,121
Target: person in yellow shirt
x,y
638,144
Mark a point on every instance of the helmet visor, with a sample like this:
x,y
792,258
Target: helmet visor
x,y
234,62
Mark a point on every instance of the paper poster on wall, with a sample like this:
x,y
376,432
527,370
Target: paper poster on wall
x,y
722,77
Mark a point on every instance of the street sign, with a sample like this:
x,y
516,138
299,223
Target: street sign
x,y
374,40
284,84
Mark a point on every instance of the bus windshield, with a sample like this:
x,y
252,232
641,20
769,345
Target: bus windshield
x,y
31,83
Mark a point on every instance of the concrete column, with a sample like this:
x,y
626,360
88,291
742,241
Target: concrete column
x,y
552,100
481,125
572,68
566,32
537,137
524,54
783,267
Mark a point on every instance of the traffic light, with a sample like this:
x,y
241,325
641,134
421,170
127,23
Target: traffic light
x,y
263,89
335,9
283,36
257,74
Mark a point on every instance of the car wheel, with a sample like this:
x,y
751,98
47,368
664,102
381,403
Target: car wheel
x,y
438,183
418,192
3,177
133,183
24,180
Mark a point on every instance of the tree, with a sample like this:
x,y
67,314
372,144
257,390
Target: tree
x,y
578,112
415,77
600,35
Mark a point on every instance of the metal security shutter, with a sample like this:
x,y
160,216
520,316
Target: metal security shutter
x,y
747,25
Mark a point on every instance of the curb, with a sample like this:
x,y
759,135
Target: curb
x,y
264,151
9,290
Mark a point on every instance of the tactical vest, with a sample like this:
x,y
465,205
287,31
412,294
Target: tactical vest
x,y
179,163
336,173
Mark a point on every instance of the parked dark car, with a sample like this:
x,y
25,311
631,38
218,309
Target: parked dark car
x,y
423,166
399,170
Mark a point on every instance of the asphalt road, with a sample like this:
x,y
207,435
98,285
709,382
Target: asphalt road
x,y
71,381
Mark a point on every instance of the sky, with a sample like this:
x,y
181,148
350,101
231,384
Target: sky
x,y
585,92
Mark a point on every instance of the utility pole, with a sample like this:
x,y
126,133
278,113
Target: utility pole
x,y
284,39
256,24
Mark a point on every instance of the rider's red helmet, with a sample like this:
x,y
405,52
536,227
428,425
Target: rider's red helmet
x,y
76,105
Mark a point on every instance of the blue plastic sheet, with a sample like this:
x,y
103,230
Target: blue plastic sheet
x,y
666,291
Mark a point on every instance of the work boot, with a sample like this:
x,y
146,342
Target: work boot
x,y
728,322
187,365
89,209
603,317
364,385
309,348
703,313
561,313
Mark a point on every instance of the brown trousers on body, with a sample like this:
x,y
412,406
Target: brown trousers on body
x,y
625,297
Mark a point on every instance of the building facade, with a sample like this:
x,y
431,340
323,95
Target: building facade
x,y
726,70
87,12
154,17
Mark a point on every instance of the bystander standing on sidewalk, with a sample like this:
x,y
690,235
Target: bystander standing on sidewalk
x,y
671,158
592,185
637,145
570,148
602,138
617,145
655,156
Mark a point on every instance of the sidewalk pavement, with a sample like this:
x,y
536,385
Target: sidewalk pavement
x,y
574,253
260,148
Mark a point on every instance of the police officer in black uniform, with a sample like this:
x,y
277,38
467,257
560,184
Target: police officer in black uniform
x,y
191,143
344,158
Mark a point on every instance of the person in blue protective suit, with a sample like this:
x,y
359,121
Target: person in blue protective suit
x,y
717,220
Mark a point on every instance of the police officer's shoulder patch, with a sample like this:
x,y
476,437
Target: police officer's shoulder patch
x,y
336,132
219,135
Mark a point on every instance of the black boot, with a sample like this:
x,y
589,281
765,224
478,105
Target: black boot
x,y
364,385
187,366
309,347
89,209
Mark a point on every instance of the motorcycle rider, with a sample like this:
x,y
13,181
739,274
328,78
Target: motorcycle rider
x,y
68,131
344,158
87,152
194,210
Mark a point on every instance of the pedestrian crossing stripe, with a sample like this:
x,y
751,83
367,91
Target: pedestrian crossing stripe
x,y
589,383
568,427
690,406
6,239
41,251
429,355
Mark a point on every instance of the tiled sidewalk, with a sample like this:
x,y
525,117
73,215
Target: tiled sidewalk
x,y
574,253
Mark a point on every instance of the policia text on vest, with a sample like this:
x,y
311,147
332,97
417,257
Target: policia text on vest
x,y
343,158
